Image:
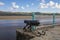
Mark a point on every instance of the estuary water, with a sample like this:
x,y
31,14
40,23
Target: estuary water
x,y
8,27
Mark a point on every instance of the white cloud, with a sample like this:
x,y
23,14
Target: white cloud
x,y
14,6
42,5
57,5
27,5
22,7
1,4
51,4
32,3
13,3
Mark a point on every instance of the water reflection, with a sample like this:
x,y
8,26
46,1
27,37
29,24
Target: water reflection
x,y
8,27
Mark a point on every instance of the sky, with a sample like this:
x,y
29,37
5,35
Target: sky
x,y
52,6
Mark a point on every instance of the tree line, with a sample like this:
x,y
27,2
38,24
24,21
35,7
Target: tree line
x,y
24,13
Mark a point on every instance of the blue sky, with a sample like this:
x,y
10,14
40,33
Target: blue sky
x,y
30,5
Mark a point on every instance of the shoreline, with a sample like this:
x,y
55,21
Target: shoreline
x,y
26,17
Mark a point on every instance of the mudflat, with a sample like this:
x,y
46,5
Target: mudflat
x,y
28,17
51,34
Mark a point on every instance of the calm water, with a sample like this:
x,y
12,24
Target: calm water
x,y
8,27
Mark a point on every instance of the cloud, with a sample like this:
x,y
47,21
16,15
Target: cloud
x,y
57,5
1,4
22,7
42,5
14,6
27,5
32,3
51,4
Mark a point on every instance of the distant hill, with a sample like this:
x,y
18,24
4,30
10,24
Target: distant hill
x,y
14,14
23,13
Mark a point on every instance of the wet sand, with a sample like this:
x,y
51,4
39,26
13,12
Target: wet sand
x,y
28,17
51,34
14,17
